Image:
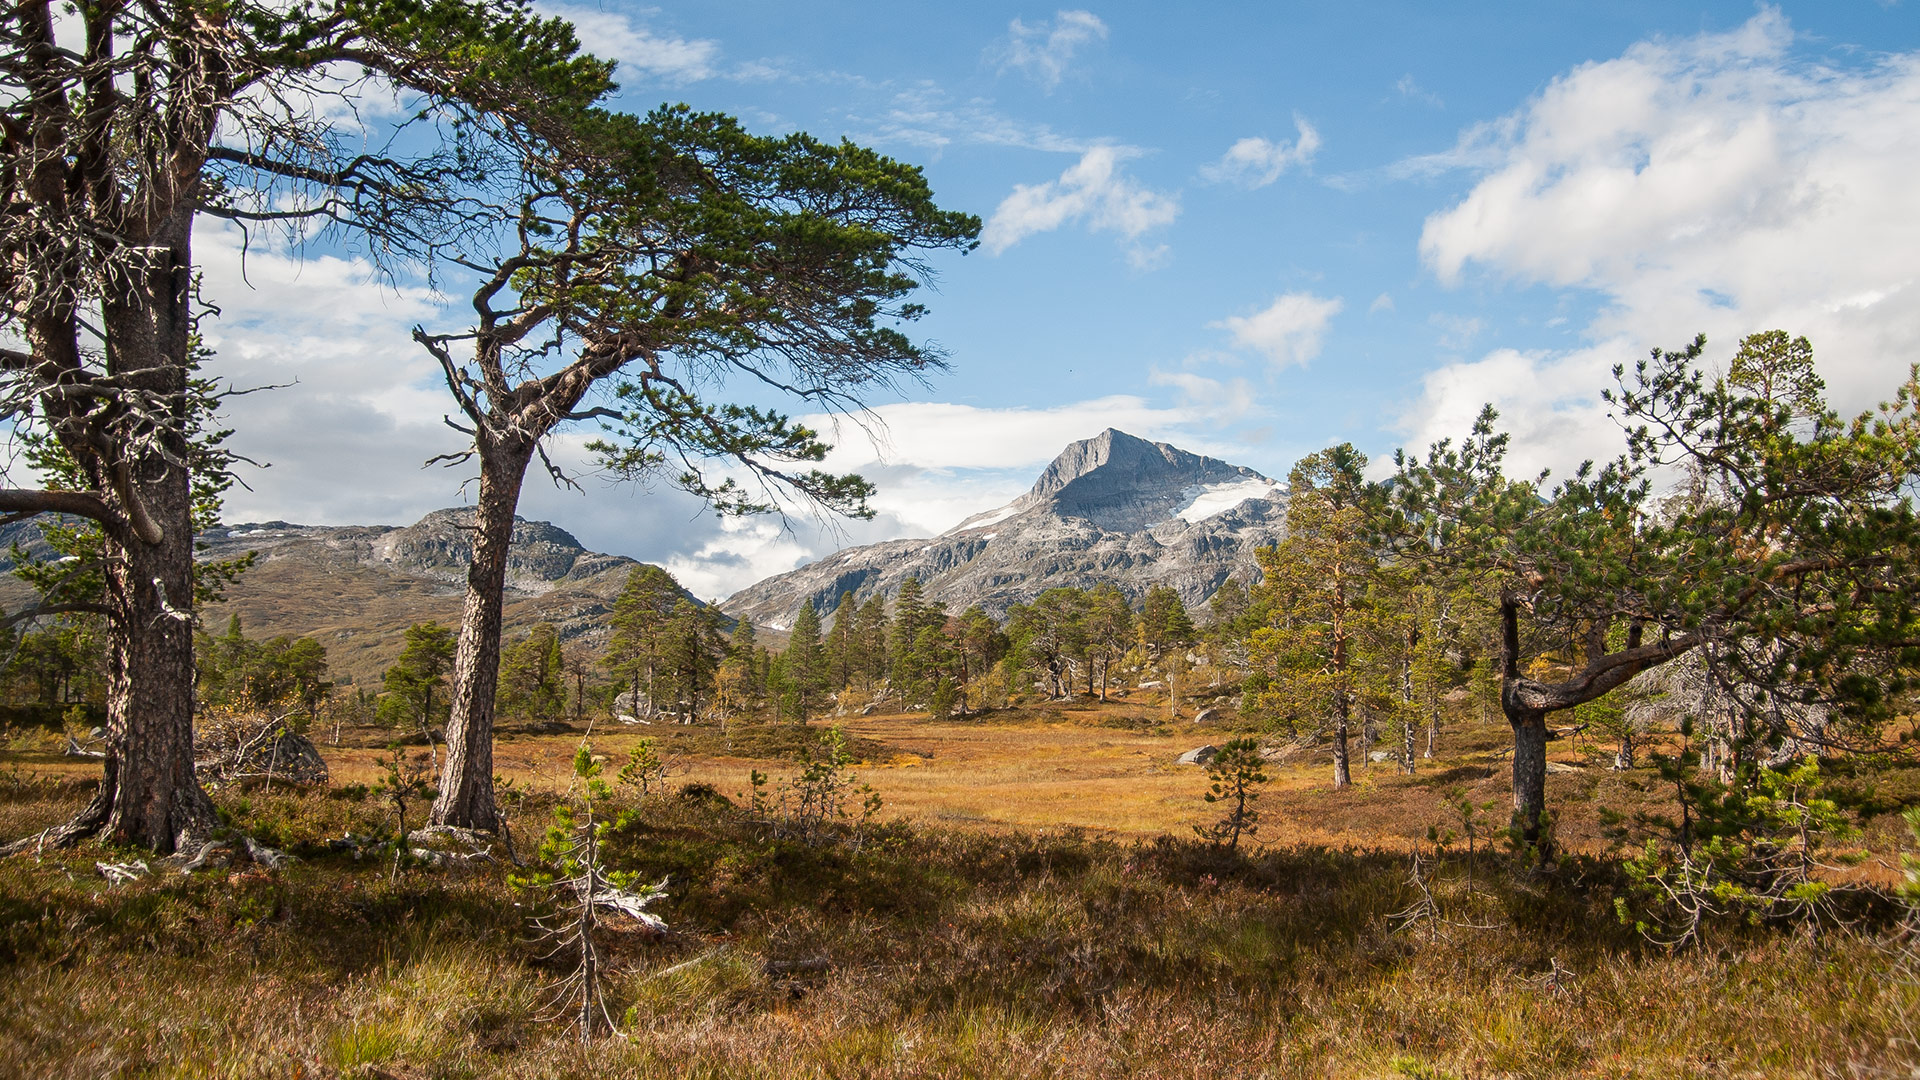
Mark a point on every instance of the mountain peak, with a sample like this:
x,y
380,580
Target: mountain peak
x,y
1111,508
1121,481
1110,447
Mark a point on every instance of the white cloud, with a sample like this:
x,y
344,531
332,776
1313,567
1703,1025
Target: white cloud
x,y
1713,183
1288,330
1045,50
1549,403
1413,91
927,117
1149,258
1092,190
615,36
1256,162
1383,302
1221,400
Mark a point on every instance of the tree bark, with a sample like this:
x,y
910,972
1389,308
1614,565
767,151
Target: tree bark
x,y
1342,766
1529,771
466,777
1623,757
148,793
1406,715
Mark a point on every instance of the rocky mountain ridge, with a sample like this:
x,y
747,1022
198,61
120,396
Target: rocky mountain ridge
x,y
1113,508
356,588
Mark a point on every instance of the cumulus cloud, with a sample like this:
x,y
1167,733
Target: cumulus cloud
x,y
1713,183
1288,331
1256,162
1093,190
1044,51
1549,403
615,36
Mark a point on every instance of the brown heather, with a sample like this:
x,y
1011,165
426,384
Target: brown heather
x,y
989,928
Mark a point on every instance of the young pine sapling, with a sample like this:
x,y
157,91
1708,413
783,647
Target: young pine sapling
x,y
572,869
1235,775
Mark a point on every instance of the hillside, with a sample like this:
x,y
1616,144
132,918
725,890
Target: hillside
x,y
356,588
1113,508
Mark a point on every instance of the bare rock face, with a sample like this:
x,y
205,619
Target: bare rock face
x,y
1113,508
356,588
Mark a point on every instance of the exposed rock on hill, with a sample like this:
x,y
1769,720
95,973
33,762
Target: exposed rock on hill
x,y
1113,508
356,588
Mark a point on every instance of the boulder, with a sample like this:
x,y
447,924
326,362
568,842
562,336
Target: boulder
x,y
256,749
1206,715
1381,755
1151,684
1199,755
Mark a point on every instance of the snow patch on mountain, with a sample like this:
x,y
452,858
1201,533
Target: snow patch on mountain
x,y
986,518
1206,500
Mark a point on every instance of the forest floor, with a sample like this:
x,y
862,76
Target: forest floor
x,y
1030,900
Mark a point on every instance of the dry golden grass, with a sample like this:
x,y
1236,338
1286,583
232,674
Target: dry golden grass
x,y
1032,911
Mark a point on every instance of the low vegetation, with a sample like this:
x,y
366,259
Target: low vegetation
x,y
1352,935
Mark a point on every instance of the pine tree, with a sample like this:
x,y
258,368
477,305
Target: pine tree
x,y
1782,559
744,648
871,627
1049,633
806,665
690,655
1164,622
533,677
415,679
981,645
841,648
1111,630
912,617
1316,591
640,616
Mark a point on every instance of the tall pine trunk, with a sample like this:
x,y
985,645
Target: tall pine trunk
x,y
466,778
1342,765
148,793
1529,771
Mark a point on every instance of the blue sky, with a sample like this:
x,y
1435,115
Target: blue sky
x,y
1250,230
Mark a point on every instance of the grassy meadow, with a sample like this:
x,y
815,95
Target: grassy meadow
x,y
1029,901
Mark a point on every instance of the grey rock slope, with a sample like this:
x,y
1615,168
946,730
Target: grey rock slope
x,y
1113,508
356,588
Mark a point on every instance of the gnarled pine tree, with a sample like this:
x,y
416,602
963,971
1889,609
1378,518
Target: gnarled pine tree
x,y
123,122
669,258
